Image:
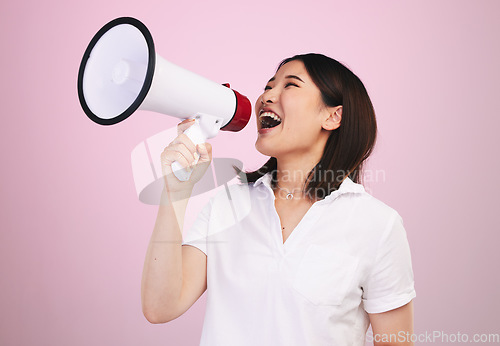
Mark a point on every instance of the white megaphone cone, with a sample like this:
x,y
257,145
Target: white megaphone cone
x,y
121,73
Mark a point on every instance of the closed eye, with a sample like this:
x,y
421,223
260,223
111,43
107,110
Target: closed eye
x,y
267,87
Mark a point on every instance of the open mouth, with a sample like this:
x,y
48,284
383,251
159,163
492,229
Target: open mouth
x,y
269,120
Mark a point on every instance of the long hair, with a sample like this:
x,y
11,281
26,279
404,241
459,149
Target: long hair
x,y
350,144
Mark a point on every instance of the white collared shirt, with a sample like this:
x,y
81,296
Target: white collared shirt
x,y
347,257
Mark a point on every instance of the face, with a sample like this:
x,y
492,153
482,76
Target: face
x,y
291,116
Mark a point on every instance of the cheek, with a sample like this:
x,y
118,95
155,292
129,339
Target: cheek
x,y
302,128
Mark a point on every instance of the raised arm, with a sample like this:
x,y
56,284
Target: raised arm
x,y
174,276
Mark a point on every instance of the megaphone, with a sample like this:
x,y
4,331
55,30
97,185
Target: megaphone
x,y
120,73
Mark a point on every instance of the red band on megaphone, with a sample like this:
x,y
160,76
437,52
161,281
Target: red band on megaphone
x,y
241,114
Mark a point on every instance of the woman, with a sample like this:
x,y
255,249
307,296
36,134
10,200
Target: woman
x,y
299,253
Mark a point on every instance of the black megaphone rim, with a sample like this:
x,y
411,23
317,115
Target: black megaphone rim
x,y
149,73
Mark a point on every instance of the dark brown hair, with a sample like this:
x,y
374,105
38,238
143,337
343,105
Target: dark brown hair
x,y
350,144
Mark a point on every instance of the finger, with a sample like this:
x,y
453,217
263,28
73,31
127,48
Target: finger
x,y
166,163
188,154
205,150
183,150
185,140
169,157
184,125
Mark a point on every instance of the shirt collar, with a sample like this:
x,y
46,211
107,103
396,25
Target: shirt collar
x,y
265,179
347,186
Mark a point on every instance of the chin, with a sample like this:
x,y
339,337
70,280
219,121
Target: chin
x,y
264,149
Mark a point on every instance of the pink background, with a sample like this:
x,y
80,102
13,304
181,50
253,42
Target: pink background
x,y
74,234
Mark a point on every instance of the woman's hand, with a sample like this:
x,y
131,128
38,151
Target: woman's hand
x,y
183,150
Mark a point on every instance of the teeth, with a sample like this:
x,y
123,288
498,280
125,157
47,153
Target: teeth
x,y
271,115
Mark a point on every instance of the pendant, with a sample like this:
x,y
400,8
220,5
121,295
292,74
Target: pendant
x,y
289,195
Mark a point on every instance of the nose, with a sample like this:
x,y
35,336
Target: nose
x,y
269,96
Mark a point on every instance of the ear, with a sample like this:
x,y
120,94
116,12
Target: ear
x,y
334,118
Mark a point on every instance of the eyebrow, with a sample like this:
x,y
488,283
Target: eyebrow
x,y
289,76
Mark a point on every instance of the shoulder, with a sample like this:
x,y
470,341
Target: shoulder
x,y
239,192
233,199
372,227
369,214
369,206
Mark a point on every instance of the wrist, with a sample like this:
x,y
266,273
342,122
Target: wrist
x,y
175,196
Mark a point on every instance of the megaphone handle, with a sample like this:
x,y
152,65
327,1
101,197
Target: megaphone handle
x,y
196,135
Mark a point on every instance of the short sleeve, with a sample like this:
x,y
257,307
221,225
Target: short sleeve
x,y
390,283
197,234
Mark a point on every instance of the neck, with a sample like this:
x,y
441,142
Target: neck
x,y
292,174
294,166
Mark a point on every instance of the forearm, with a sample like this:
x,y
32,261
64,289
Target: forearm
x,y
162,273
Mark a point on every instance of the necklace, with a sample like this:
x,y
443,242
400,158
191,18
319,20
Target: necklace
x,y
289,194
